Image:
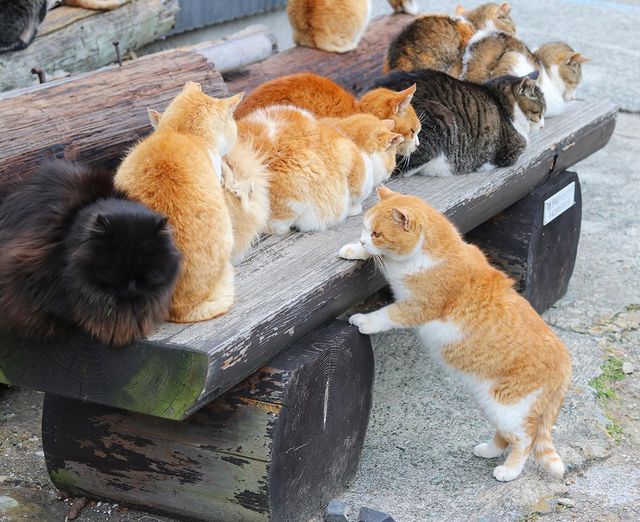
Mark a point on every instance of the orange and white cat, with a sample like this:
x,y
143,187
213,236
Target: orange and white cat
x,y
177,170
331,25
326,99
470,318
404,6
320,170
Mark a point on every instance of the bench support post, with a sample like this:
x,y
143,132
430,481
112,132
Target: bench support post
x,y
276,447
539,255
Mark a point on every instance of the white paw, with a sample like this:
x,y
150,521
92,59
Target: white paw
x,y
364,323
556,468
505,474
353,251
355,210
487,451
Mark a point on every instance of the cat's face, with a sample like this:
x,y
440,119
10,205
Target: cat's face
x,y
564,65
490,16
396,105
194,112
128,252
531,101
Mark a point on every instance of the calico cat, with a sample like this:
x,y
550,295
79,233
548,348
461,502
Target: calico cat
x,y
404,6
496,54
177,170
77,255
331,25
437,41
326,99
245,180
466,125
19,19
473,322
321,170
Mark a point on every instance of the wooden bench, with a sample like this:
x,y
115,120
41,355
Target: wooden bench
x,y
273,399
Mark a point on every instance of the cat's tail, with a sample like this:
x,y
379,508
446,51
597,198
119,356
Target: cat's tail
x,y
543,448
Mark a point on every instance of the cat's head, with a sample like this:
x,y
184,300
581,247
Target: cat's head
x,y
122,265
376,139
194,112
396,105
400,226
563,65
522,94
490,17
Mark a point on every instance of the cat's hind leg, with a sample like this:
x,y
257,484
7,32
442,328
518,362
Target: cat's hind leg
x,y
217,304
492,449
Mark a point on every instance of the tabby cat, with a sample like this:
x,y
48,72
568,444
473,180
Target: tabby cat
x,y
177,170
496,54
326,99
331,25
472,321
437,41
321,170
77,255
466,126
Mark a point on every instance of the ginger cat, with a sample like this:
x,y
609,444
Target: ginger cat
x,y
331,25
177,171
437,41
475,324
321,170
498,54
404,6
245,180
326,99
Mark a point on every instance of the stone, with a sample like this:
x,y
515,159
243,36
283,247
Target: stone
x,y
627,368
371,515
7,503
337,511
566,502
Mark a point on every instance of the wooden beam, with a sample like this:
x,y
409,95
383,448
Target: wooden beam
x,y
75,40
278,446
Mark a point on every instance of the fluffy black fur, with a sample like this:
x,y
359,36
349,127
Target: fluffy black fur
x,y
19,21
466,123
76,254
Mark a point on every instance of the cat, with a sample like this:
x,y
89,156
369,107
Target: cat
x,y
437,41
77,255
177,170
468,126
331,25
473,322
326,99
404,6
321,170
245,180
19,19
497,54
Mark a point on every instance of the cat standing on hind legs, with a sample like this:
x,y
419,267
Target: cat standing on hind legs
x,y
473,322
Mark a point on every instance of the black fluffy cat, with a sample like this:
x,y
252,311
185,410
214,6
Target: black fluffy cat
x,y
19,21
76,254
466,126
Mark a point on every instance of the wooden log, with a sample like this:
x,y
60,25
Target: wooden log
x,y
536,240
355,70
76,40
277,447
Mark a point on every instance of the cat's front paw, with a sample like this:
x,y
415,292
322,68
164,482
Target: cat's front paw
x,y
364,322
505,474
353,251
487,451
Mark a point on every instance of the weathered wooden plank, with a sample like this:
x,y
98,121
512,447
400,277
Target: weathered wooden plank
x,y
75,40
276,447
287,286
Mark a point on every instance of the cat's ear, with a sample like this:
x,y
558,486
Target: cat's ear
x,y
395,139
234,101
403,102
100,224
576,58
401,217
192,87
533,75
460,10
389,124
163,223
383,192
526,84
504,9
154,117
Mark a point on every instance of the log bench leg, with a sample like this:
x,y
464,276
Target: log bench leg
x,y
277,447
536,240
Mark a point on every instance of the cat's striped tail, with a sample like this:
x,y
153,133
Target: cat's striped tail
x,y
543,448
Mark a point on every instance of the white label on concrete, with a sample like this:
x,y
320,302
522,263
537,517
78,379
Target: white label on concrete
x,y
559,202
